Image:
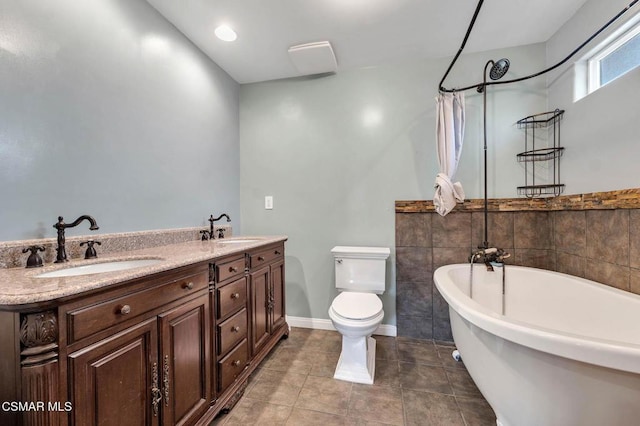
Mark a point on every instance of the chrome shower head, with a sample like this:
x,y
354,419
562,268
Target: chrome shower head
x,y
499,69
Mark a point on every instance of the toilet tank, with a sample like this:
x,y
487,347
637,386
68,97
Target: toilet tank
x,y
360,268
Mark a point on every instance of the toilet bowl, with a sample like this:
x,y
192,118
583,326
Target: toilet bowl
x,y
356,316
357,311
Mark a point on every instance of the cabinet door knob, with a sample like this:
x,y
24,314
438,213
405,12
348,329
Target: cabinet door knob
x,y
233,269
235,329
236,363
260,258
124,310
277,252
235,295
188,286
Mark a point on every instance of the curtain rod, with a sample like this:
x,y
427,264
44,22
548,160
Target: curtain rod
x,y
464,43
490,83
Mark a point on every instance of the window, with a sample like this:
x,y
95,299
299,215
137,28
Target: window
x,y
615,59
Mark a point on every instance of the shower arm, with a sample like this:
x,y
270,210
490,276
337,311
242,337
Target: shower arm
x,y
515,80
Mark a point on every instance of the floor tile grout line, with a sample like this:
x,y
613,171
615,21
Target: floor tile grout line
x,y
464,419
404,407
448,370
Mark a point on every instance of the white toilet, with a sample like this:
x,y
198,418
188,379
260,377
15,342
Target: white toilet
x,y
357,311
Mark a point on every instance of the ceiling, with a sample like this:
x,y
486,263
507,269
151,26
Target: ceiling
x,y
363,33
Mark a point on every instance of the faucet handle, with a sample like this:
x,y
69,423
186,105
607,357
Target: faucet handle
x,y
503,255
91,251
205,235
220,232
34,260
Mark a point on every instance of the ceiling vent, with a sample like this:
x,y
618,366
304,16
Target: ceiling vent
x,y
313,58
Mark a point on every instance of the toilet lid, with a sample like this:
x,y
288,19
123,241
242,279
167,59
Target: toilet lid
x,y
354,305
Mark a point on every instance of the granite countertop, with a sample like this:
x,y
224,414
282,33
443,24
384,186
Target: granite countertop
x,y
19,286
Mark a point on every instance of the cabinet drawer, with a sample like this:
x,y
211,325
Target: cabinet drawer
x,y
231,269
263,257
232,331
232,297
232,365
88,320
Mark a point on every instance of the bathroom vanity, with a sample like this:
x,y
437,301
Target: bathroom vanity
x,y
165,344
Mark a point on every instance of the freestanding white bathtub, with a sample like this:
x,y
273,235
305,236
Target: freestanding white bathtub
x,y
566,352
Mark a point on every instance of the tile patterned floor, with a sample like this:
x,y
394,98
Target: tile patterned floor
x,y
417,383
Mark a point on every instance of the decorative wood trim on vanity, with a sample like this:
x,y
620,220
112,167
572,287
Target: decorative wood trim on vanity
x,y
39,364
38,329
40,384
620,199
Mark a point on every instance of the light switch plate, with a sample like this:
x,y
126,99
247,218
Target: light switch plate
x,y
268,202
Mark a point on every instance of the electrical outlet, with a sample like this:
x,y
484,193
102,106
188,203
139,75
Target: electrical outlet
x,y
268,202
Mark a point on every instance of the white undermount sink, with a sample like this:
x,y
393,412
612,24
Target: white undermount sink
x,y
237,241
98,268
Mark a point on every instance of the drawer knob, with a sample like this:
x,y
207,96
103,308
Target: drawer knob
x,y
233,269
188,286
277,251
235,295
124,310
235,329
236,363
260,258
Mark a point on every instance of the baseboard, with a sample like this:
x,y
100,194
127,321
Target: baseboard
x,y
325,324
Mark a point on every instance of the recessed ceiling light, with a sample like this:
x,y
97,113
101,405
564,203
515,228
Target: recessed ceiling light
x,y
225,33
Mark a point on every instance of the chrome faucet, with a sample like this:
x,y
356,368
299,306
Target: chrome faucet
x,y
210,235
61,256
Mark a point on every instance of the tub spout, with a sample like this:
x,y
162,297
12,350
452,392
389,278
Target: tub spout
x,y
489,256
481,254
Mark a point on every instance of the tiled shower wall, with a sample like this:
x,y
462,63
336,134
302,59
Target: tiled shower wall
x,y
600,245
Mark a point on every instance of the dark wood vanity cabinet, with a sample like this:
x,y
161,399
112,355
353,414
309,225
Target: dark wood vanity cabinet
x,y
229,295
171,348
248,295
266,282
110,380
153,371
184,354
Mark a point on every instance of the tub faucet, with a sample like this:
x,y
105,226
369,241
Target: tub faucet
x,y
61,226
489,256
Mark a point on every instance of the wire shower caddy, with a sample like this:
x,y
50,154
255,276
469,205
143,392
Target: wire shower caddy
x,y
546,120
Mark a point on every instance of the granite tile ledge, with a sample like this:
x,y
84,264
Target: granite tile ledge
x,y
619,199
20,286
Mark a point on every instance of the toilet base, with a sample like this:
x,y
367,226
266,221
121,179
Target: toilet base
x,y
357,361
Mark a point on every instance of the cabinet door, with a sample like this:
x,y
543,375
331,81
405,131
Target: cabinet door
x,y
213,346
111,381
277,294
260,329
185,358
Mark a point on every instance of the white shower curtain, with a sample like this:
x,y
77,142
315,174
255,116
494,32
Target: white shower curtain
x,y
449,136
